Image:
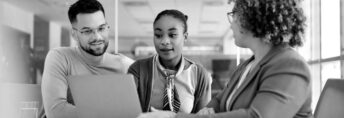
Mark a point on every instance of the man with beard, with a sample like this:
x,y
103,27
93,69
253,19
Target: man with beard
x,y
91,31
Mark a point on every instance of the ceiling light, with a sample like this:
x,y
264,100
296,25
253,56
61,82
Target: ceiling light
x,y
139,10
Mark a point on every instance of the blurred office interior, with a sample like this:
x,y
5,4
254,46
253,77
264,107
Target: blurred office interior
x,y
30,28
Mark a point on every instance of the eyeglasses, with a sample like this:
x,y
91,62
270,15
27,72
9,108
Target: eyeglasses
x,y
88,32
230,16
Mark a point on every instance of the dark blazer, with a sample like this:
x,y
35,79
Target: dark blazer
x,y
278,87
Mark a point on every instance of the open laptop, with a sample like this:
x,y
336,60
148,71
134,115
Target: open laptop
x,y
330,103
105,96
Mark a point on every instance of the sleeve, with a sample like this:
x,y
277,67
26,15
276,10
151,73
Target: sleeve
x,y
204,90
134,70
54,87
283,90
215,102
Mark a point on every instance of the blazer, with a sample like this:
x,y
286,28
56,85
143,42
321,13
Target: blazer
x,y
279,86
142,72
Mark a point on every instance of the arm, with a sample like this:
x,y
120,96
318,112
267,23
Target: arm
x,y
215,102
134,70
203,94
54,87
283,89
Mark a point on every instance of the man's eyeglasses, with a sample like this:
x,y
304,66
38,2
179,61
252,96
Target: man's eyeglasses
x,y
230,16
89,31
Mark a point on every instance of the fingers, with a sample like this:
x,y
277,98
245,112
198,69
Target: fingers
x,y
201,112
154,109
206,111
211,111
142,116
157,114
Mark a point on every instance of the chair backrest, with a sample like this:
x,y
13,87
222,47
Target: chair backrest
x,y
331,101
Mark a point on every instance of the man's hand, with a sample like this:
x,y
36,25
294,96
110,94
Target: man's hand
x,y
157,114
206,111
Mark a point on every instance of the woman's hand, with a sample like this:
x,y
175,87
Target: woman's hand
x,y
157,114
206,111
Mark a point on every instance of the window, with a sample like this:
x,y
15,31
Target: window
x,y
330,28
329,70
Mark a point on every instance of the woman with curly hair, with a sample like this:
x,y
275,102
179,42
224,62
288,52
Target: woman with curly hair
x,y
275,82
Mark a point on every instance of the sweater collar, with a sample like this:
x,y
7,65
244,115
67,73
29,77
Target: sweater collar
x,y
88,58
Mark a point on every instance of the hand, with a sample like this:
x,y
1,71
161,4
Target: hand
x,y
157,114
206,111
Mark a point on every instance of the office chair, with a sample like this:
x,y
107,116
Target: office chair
x,y
331,101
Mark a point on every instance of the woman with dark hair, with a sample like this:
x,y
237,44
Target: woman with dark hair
x,y
275,82
168,80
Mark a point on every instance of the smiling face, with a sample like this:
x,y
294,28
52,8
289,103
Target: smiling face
x,y
169,38
91,33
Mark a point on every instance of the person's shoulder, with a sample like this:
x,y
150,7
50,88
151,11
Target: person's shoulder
x,y
139,64
288,61
118,57
145,60
60,56
142,61
199,67
63,50
189,62
289,54
203,75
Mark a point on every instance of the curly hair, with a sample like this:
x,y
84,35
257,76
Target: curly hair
x,y
282,22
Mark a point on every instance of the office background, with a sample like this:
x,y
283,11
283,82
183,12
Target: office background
x,y
30,28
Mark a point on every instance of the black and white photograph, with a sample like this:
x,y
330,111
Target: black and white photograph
x,y
171,58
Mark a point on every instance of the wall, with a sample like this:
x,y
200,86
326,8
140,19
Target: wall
x,y
43,35
128,42
15,52
65,37
41,42
17,18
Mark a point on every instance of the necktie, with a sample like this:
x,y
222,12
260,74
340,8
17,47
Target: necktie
x,y
171,99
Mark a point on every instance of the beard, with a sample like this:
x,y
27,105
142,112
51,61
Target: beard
x,y
95,52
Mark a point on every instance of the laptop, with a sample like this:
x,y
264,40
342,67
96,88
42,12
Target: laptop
x,y
105,96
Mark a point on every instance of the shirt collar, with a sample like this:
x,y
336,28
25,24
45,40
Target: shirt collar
x,y
159,65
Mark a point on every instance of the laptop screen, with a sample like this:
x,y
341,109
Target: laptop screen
x,y
105,96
